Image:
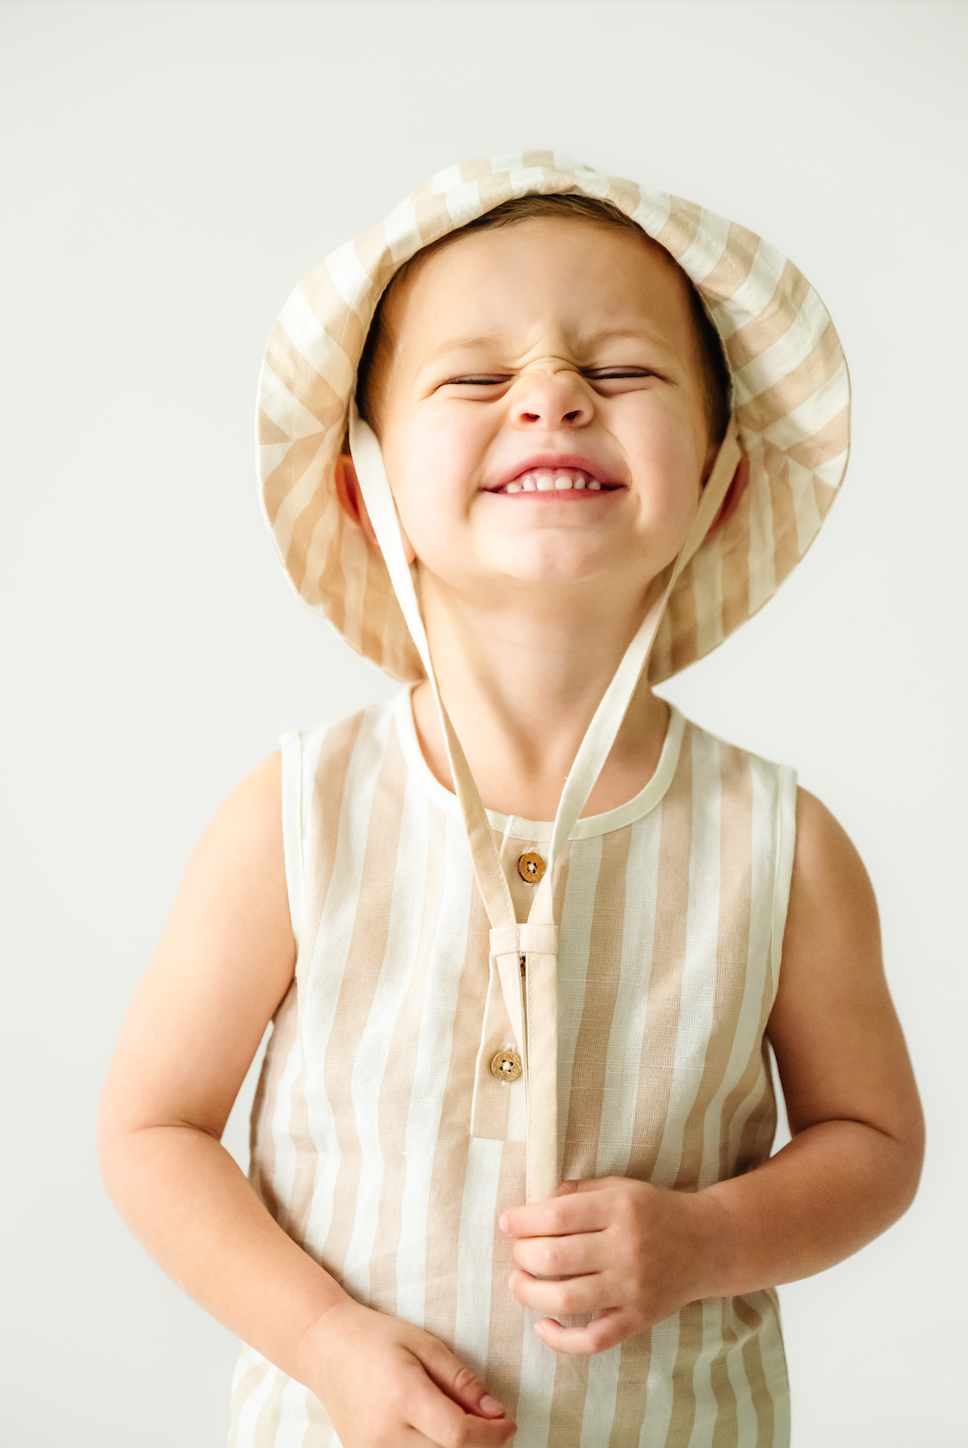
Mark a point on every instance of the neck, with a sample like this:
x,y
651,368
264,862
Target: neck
x,y
521,680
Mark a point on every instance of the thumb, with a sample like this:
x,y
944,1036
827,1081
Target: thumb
x,y
459,1383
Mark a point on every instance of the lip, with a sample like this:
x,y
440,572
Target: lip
x,y
564,461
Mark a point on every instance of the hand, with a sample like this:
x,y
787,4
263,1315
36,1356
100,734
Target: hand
x,y
388,1384
630,1253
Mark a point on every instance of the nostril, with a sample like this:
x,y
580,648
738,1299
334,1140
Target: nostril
x,y
571,416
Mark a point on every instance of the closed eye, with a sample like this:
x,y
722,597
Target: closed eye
x,y
478,380
608,374
615,381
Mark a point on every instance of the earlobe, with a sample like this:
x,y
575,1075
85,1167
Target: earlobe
x,y
734,492
350,497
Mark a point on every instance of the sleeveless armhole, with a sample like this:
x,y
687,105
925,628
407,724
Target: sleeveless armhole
x,y
786,834
300,760
292,826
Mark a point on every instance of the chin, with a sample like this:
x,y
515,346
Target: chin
x,y
557,569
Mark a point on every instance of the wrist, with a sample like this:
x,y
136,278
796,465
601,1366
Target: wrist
x,y
718,1246
314,1346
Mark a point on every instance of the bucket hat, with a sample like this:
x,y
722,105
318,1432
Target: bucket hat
x,y
790,403
790,408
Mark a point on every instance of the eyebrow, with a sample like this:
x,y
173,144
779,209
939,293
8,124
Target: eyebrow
x,y
457,344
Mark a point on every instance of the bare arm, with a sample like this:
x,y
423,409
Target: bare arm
x,y
850,1170
853,1164
224,963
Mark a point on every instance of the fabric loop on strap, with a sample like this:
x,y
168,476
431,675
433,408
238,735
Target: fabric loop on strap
x,y
542,939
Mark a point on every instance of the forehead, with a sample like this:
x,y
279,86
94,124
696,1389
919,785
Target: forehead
x,y
582,276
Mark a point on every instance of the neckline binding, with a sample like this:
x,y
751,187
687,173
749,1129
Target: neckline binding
x,y
513,826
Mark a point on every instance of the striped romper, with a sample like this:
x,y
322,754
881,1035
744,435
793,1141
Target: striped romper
x,y
384,1145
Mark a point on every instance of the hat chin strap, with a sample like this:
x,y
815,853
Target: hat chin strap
x,y
531,1003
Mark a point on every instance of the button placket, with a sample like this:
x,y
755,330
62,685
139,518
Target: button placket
x,y
498,1113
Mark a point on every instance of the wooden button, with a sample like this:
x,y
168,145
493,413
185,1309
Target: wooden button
x,y
531,867
506,1065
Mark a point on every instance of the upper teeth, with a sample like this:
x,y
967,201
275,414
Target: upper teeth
x,y
544,480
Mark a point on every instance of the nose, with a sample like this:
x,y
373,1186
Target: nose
x,y
550,399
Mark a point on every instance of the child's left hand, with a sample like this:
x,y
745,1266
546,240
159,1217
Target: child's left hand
x,y
631,1253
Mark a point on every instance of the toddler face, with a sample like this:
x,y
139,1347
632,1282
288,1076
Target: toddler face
x,y
543,414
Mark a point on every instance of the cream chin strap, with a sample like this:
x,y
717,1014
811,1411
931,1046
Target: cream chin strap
x,y
536,1026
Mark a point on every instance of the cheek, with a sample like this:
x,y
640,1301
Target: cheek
x,y
429,467
672,435
668,458
433,461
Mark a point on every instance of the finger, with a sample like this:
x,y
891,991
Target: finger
x,y
458,1382
442,1422
564,1256
606,1330
577,1294
576,1212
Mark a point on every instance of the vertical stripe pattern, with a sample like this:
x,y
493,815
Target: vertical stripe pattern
x,y
385,1147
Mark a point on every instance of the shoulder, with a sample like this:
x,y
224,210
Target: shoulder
x,y
304,748
829,877
317,763
698,737
260,788
732,771
258,831
255,802
241,849
831,940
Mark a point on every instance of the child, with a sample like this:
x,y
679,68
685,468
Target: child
x,y
511,1164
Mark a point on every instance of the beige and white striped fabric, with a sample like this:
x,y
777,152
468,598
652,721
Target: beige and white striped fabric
x,y
790,397
383,1144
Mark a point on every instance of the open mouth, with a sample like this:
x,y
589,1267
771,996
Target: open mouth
x,y
555,480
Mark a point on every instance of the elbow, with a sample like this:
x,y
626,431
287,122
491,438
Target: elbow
x,y
911,1150
112,1138
120,1144
898,1166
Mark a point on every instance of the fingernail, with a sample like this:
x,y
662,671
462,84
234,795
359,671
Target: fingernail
x,y
491,1405
502,1222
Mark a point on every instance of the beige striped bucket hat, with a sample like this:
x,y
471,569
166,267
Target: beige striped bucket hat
x,y
791,400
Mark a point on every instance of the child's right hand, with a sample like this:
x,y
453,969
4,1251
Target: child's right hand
x,y
388,1384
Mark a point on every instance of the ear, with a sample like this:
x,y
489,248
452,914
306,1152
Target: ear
x,y
734,492
350,496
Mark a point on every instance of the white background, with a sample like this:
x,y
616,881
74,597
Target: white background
x,y
170,171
